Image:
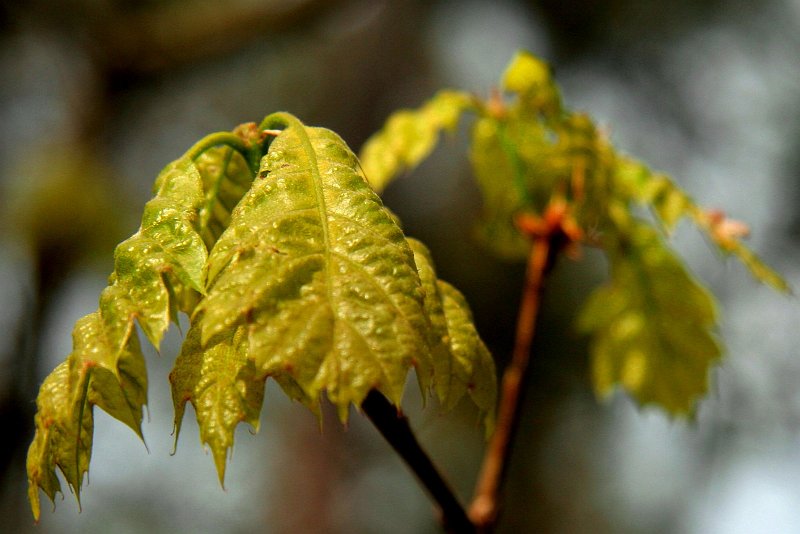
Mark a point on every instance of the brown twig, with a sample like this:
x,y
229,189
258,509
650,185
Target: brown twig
x,y
395,429
549,235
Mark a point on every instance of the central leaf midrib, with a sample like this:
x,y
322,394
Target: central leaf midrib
x,y
308,148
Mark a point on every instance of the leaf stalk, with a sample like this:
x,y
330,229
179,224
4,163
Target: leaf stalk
x,y
218,139
394,427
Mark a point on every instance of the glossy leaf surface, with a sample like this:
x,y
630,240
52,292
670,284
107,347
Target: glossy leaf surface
x,y
221,383
473,369
158,271
63,439
321,276
462,363
309,280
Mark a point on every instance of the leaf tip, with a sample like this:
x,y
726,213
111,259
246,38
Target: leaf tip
x,y
343,410
176,426
220,461
526,72
33,498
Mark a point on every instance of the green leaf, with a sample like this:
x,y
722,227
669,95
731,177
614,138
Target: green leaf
x,y
409,136
310,281
526,73
671,204
221,383
118,373
652,325
758,269
500,174
96,373
473,367
157,272
462,363
320,274
167,252
63,438
657,350
438,337
530,78
523,160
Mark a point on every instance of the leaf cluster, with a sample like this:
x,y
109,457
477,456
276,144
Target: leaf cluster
x,y
540,166
289,266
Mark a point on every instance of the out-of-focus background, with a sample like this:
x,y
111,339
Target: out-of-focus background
x,y
96,96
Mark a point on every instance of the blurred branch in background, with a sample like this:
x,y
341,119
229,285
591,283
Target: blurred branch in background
x,y
166,36
134,39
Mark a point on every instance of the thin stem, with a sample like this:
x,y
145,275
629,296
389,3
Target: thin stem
x,y
250,149
395,429
216,139
485,505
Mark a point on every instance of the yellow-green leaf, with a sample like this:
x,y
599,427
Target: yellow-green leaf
x,y
320,274
462,363
758,269
526,73
220,382
472,369
157,271
118,373
166,251
671,204
97,372
499,172
438,339
529,77
409,136
63,438
652,325
226,178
